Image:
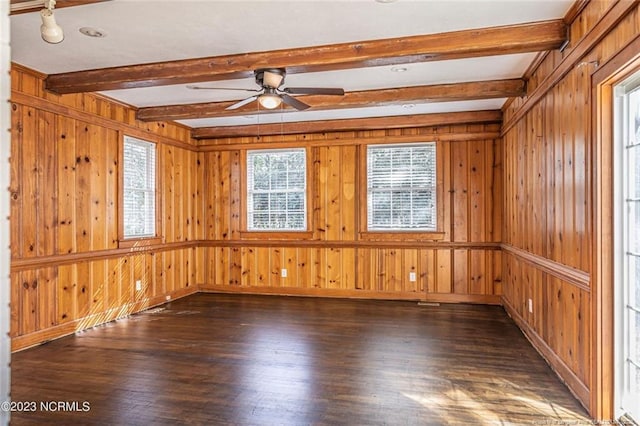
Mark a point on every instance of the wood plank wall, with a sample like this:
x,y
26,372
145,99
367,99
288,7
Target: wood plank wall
x,y
333,259
548,211
67,270
69,274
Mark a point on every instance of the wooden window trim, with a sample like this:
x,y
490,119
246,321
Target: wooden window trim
x,y
139,242
303,234
147,240
603,79
401,235
275,235
392,235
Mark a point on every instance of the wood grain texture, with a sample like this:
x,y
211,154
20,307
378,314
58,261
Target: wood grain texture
x,y
64,214
547,188
566,339
434,93
334,258
551,169
519,38
355,124
265,360
27,89
533,192
582,44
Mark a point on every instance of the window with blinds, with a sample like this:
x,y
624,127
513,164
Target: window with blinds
x,y
276,190
627,254
401,187
139,188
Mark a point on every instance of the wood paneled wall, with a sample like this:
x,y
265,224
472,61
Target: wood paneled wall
x,y
334,259
549,177
67,270
518,213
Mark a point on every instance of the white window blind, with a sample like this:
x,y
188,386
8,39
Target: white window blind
x,y
401,187
276,190
139,189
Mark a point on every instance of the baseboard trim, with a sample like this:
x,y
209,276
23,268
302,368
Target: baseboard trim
x,y
354,294
562,370
40,337
482,299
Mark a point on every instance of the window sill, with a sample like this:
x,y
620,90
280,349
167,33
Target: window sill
x,y
276,235
401,235
139,242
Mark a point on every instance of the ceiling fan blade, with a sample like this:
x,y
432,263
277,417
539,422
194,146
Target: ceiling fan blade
x,y
314,91
291,101
272,79
220,88
242,102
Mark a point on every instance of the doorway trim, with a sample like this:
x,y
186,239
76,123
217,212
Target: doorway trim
x,y
625,63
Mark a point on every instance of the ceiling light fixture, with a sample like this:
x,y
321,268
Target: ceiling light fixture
x,y
398,69
51,32
92,32
270,99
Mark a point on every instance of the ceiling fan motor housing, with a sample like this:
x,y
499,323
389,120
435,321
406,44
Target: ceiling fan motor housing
x,y
270,96
259,73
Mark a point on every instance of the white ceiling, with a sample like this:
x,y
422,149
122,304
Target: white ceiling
x,y
143,31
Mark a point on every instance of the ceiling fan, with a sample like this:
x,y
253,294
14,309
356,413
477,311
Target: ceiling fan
x,y
270,95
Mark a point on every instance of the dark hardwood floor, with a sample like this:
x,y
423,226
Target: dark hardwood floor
x,y
265,360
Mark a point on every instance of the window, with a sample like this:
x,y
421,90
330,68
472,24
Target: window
x,y
276,190
401,187
139,188
627,253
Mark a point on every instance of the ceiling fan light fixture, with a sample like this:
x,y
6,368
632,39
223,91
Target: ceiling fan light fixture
x,y
270,100
50,31
399,69
270,96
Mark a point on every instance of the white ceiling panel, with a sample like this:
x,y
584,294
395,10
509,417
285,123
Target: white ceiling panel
x,y
146,31
142,31
336,114
426,73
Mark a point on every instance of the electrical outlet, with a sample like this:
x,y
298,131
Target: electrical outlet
x,y
168,297
412,276
283,273
530,306
138,285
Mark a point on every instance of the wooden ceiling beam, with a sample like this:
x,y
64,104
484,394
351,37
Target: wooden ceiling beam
x,y
520,38
397,122
380,97
26,6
